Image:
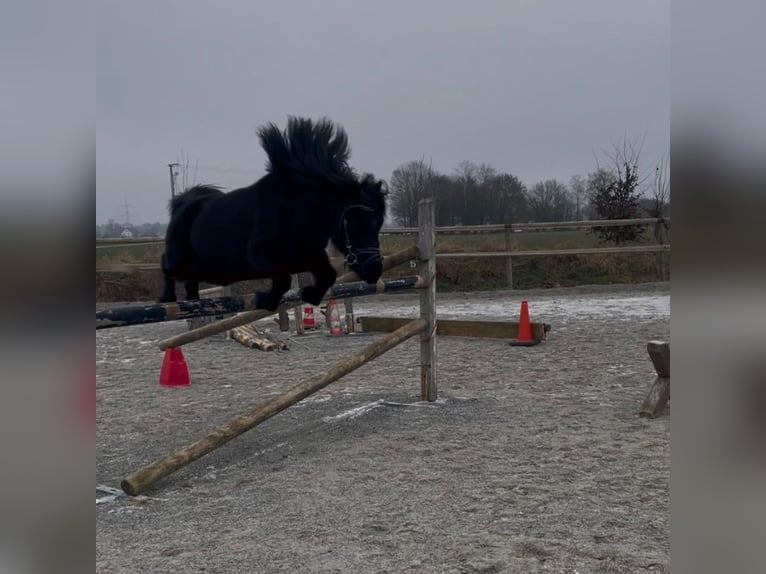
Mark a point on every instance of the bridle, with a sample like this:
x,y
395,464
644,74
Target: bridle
x,y
352,255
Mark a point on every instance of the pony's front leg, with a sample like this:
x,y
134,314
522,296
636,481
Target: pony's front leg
x,y
324,278
279,286
168,290
192,290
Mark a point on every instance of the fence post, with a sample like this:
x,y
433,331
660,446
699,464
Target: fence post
x,y
427,271
509,261
283,317
349,308
300,281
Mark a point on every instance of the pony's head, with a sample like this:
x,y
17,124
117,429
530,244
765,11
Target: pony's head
x,y
358,227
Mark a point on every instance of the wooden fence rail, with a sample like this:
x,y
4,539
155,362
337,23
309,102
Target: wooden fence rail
x,y
508,229
536,225
577,251
105,243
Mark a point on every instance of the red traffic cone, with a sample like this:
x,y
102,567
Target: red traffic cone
x,y
308,318
174,372
524,336
335,326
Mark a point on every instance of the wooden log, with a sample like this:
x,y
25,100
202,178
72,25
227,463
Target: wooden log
x,y
427,270
281,345
251,316
249,337
659,353
659,392
458,327
138,481
139,314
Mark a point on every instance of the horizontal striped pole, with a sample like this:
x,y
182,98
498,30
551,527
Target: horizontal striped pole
x,y
389,262
142,314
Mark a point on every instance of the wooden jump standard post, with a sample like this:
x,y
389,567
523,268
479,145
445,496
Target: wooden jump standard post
x,y
250,316
138,481
427,271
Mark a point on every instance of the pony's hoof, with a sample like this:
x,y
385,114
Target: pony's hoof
x,y
312,295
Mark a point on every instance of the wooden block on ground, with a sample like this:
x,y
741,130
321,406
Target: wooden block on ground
x,y
458,328
659,393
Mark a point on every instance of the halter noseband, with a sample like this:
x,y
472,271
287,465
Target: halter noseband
x,y
352,254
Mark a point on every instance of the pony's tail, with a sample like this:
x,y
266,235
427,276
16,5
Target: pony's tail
x,y
192,195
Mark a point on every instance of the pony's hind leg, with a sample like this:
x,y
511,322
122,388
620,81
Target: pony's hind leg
x,y
270,300
192,290
324,278
168,286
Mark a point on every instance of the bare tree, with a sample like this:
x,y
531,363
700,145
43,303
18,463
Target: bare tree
x,y
187,179
513,197
410,183
660,199
466,177
549,200
578,187
616,191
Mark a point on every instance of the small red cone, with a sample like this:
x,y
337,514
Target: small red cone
x,y
174,372
335,326
308,318
524,336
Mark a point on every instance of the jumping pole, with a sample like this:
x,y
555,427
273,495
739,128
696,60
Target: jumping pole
x,y
137,482
389,262
137,315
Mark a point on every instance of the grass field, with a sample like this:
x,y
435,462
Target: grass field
x,y
454,274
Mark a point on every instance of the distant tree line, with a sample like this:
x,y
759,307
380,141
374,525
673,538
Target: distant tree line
x,y
114,228
477,194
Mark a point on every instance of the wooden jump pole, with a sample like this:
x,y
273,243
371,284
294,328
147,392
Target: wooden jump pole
x,y
138,481
191,336
137,315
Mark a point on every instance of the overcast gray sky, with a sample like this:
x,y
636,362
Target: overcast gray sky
x,y
533,87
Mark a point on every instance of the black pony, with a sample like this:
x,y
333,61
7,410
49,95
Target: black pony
x,y
282,223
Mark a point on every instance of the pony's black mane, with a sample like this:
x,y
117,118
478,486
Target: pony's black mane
x,y
309,152
312,156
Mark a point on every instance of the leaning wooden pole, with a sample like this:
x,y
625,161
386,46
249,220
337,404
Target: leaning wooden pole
x,y
389,262
141,479
427,272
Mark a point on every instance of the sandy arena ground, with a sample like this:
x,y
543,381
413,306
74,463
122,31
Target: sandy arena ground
x,y
532,460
